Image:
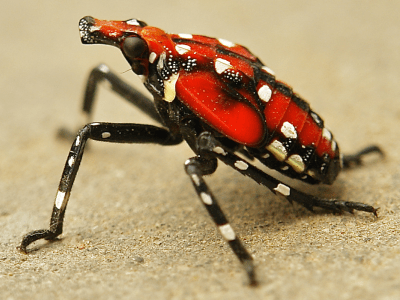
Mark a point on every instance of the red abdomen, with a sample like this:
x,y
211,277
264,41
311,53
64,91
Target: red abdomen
x,y
296,135
229,89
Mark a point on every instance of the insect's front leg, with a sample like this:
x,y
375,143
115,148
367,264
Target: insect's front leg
x,y
103,73
106,132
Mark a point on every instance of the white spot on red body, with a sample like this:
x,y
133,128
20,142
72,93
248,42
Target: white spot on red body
x,y
169,87
264,93
316,118
182,49
268,70
296,162
221,65
160,64
133,22
227,232
185,35
94,28
226,43
282,189
333,146
278,150
152,57
288,130
326,134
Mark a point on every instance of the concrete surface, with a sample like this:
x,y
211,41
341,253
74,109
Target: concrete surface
x,y
134,228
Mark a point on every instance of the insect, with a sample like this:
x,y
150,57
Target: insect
x,y
225,103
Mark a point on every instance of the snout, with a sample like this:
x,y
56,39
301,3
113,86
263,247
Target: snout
x,y
87,29
94,31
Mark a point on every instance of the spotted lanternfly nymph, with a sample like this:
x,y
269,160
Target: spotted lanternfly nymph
x,y
225,103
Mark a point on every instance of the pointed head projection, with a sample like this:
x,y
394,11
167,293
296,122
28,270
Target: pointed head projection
x,y
126,35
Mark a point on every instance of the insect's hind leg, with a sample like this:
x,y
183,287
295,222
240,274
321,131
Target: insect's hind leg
x,y
106,132
103,73
355,159
196,168
213,147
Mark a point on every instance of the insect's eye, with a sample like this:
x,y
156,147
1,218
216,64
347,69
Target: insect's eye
x,y
134,47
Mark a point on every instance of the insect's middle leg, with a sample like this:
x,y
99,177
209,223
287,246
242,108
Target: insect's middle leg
x,y
196,168
106,132
103,73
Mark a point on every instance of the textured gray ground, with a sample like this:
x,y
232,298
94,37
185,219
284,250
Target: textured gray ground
x,y
134,228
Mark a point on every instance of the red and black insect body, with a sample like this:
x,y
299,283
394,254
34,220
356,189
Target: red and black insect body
x,y
225,103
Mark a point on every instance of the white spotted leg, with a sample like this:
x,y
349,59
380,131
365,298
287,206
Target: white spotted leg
x,y
207,143
100,74
196,168
106,132
103,73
